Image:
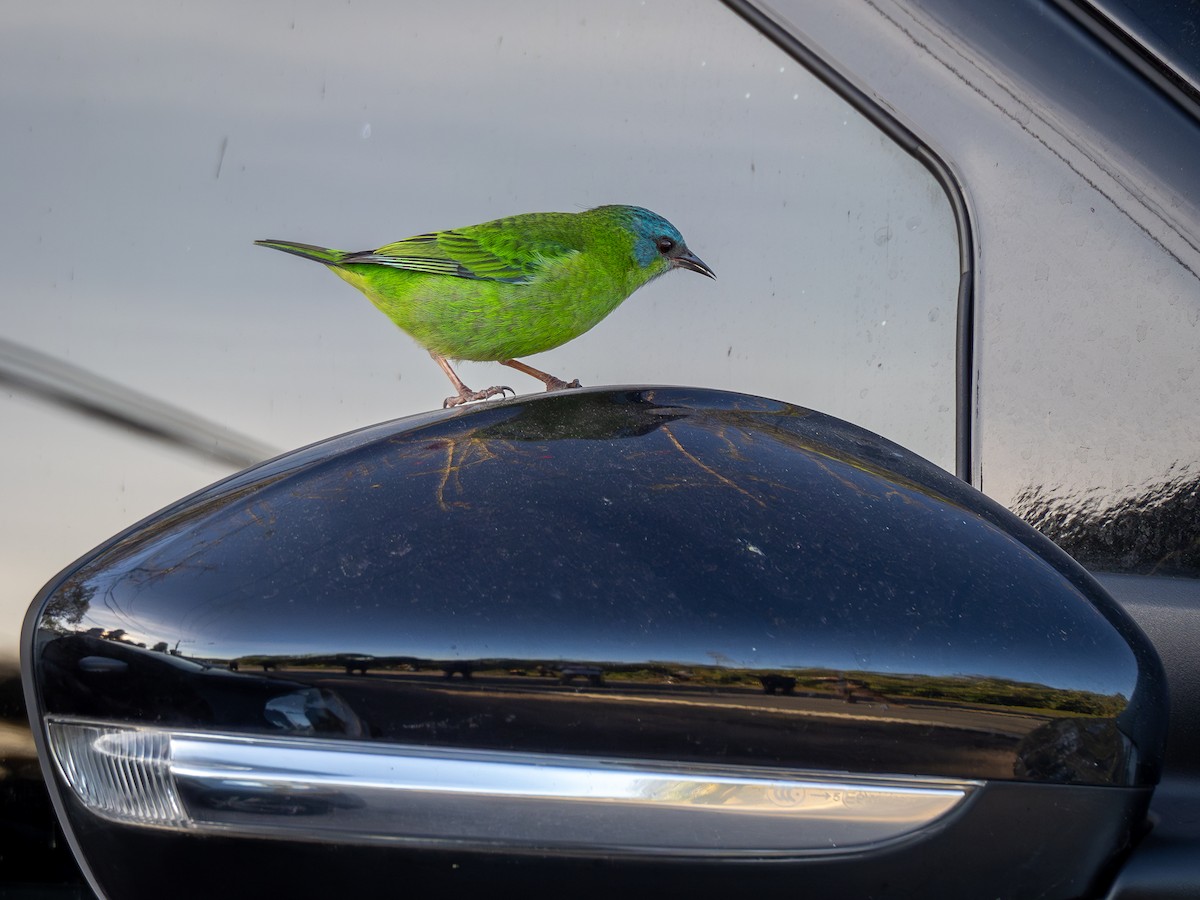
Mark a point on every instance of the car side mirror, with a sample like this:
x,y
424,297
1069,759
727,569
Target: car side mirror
x,y
621,636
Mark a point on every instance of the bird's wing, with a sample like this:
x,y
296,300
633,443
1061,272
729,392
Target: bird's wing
x,y
484,254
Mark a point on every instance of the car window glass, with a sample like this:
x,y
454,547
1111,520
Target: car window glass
x,y
149,146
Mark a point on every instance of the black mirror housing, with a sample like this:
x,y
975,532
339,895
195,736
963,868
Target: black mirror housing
x,y
605,633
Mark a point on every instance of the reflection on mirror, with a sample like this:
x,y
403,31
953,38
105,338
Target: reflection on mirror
x,y
482,582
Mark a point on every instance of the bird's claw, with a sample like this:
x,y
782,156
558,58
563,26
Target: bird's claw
x,y
467,395
557,384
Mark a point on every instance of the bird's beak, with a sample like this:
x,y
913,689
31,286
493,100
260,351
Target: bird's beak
x,y
691,261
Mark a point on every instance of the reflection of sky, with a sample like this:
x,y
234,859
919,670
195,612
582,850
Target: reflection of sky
x,y
146,148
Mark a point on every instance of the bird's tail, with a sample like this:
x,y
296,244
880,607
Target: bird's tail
x,y
307,251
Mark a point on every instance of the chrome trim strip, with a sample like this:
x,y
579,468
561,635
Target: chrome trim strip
x,y
314,789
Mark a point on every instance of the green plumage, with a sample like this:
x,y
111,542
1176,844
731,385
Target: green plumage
x,y
511,287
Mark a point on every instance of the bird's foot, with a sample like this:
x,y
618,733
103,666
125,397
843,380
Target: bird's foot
x,y
466,395
551,383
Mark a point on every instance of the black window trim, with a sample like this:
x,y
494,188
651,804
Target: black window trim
x,y
964,388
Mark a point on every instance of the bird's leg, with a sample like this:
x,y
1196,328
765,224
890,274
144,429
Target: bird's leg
x,y
551,383
465,394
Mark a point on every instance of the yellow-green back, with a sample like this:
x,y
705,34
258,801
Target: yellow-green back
x,y
514,286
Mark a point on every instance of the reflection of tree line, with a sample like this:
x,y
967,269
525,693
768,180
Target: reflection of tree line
x,y
815,683
67,606
121,636
847,686
1154,532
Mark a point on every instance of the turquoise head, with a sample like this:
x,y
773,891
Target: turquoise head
x,y
656,240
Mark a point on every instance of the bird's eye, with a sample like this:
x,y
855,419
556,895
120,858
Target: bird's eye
x,y
665,245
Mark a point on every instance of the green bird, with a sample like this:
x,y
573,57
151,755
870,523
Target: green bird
x,y
511,287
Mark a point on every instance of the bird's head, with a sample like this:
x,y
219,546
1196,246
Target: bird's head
x,y
657,242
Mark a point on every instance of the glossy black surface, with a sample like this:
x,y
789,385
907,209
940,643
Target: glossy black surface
x,y
658,573
974,860
1162,37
